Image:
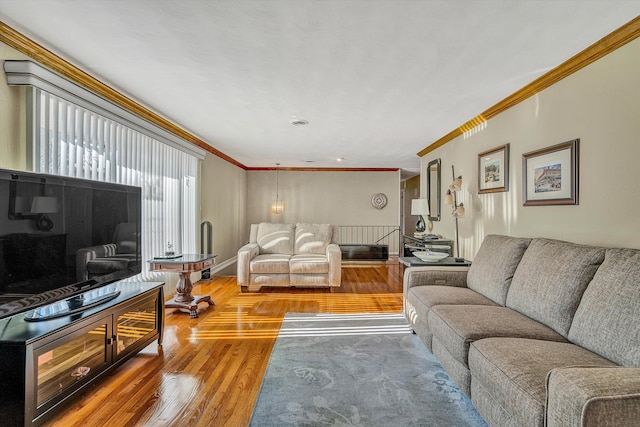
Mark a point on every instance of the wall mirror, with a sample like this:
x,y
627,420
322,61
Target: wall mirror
x,y
433,189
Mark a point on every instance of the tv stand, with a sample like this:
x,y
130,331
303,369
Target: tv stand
x,y
74,304
45,364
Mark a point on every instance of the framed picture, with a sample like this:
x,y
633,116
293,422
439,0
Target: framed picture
x,y
550,175
493,170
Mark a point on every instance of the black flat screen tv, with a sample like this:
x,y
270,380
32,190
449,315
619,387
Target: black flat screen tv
x,y
61,237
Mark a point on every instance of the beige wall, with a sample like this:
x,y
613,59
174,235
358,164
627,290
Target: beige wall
x,y
12,117
223,203
341,198
599,104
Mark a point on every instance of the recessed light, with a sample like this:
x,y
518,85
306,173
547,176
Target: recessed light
x,y
299,122
339,159
309,161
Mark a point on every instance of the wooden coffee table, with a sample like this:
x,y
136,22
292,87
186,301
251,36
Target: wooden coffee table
x,y
184,265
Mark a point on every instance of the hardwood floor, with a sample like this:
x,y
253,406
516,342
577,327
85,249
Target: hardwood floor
x,y
209,370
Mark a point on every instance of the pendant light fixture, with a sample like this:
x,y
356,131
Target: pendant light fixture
x,y
277,207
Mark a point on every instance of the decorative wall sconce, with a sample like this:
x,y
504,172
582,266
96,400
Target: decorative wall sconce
x,y
457,209
41,206
277,207
420,207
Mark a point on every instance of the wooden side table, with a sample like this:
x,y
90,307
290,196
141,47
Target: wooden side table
x,y
184,265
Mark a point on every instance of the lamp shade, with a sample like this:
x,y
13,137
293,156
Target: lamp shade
x,y
277,207
419,207
448,198
456,185
459,211
43,205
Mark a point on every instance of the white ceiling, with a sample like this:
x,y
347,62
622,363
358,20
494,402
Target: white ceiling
x,y
378,80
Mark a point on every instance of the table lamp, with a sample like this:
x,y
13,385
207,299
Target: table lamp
x,y
420,207
41,206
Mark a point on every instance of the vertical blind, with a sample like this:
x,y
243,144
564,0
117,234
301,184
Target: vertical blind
x,y
73,141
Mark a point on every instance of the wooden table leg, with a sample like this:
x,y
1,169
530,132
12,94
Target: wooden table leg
x,y
184,299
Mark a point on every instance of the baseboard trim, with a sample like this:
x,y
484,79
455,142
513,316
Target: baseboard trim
x,y
224,264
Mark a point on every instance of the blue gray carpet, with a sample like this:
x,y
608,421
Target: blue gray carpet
x,y
356,370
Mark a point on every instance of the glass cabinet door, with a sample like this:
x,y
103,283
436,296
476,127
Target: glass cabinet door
x,y
67,362
133,324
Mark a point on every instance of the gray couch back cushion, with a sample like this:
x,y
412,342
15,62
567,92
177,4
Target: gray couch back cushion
x,y
275,238
550,280
494,266
607,321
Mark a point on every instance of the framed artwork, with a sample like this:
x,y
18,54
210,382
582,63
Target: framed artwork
x,y
550,176
493,170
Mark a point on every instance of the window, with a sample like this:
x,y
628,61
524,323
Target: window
x,y
75,141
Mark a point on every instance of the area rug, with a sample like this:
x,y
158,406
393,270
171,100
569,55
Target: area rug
x,y
356,370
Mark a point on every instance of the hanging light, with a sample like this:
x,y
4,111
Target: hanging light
x,y
459,211
277,207
448,198
456,185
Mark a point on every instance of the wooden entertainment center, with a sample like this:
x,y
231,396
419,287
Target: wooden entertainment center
x,y
45,363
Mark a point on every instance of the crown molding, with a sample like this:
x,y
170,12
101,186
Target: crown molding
x,y
323,169
599,49
604,46
45,57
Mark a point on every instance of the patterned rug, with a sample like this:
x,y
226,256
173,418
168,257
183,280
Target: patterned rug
x,y
356,370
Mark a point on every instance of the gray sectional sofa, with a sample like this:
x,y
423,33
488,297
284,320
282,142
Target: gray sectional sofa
x,y
537,331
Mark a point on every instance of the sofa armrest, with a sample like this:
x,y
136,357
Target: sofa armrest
x,y
434,275
245,255
84,255
596,396
334,256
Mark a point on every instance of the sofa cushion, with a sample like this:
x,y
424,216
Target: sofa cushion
x,y
459,372
275,238
493,413
457,326
259,280
304,264
270,264
606,321
494,265
550,280
312,238
513,372
425,297
308,280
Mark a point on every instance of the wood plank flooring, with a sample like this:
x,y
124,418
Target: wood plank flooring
x,y
209,370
